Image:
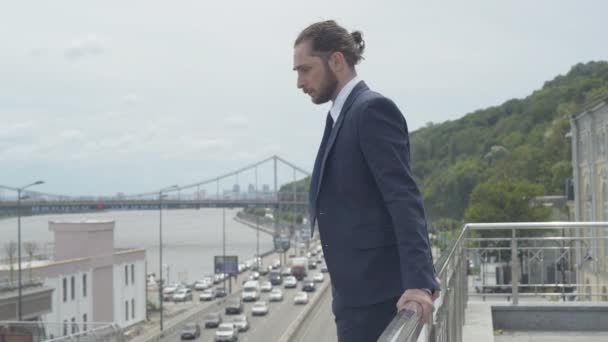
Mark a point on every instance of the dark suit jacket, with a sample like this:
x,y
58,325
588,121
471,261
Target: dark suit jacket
x,y
369,210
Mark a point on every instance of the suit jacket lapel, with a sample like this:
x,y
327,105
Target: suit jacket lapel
x,y
358,89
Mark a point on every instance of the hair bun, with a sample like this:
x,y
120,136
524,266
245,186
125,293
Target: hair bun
x,y
358,38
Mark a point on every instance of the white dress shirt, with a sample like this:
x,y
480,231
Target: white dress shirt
x,y
336,107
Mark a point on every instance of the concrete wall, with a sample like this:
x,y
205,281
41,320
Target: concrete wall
x,y
103,309
77,239
551,317
131,292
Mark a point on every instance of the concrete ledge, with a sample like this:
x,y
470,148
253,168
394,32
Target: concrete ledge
x,y
478,323
551,317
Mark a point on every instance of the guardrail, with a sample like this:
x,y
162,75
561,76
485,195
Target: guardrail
x,y
515,260
56,332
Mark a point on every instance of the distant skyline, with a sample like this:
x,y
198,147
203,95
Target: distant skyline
x,y
98,98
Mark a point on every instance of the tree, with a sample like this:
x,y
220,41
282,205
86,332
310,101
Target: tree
x,y
506,200
30,247
10,248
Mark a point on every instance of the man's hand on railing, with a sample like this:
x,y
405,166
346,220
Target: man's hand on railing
x,y
419,300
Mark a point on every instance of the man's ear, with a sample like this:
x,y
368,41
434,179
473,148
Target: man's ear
x,y
337,61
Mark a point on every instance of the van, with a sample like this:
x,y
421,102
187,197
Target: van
x,y
251,291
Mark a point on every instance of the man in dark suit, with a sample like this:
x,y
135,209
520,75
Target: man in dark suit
x,y
362,194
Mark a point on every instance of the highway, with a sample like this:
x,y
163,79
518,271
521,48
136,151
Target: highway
x,y
319,325
262,328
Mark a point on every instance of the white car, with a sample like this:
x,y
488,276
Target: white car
x,y
300,298
241,322
318,277
170,289
251,291
265,286
182,295
276,295
201,285
208,294
290,282
227,332
259,309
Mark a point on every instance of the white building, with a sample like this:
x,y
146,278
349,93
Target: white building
x,y
93,281
589,130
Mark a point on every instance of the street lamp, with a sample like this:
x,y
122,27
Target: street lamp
x,y
160,248
19,190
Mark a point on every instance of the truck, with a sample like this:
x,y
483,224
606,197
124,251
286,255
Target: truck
x,y
298,267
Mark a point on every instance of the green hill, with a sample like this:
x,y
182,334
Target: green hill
x,y
521,142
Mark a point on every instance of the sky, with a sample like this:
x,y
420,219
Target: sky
x,y
101,97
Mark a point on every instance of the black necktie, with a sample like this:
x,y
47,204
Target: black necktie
x,y
329,124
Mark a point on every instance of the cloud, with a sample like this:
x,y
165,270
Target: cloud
x,y
236,122
38,52
131,100
89,46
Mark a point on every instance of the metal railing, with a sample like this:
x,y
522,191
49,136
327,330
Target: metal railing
x,y
38,331
539,261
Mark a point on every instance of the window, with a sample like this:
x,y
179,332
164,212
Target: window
x,y
84,285
74,327
65,290
605,195
133,308
73,283
65,327
126,310
84,322
132,273
126,274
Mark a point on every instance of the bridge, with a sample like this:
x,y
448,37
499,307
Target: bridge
x,y
522,277
209,193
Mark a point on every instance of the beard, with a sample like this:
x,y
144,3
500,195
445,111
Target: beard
x,y
327,88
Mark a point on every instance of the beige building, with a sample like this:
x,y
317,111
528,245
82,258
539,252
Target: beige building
x,y
92,280
589,130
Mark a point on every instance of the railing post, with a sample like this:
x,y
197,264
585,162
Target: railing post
x,y
514,267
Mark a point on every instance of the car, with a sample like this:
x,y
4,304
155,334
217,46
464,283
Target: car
x,y
276,264
264,270
276,295
254,275
207,295
286,272
260,308
290,282
169,290
190,331
324,268
251,291
275,277
213,320
300,298
241,322
182,295
312,264
220,292
265,286
201,285
234,306
226,332
318,277
308,285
